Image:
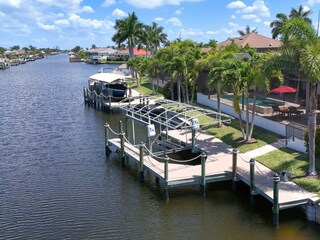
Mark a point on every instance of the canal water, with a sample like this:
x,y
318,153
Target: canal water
x,y
55,182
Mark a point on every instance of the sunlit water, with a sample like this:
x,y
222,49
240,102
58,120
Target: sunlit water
x,y
55,182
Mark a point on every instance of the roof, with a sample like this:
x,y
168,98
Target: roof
x,y
254,40
136,52
102,50
106,77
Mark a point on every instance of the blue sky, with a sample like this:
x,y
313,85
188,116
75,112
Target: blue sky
x,y
68,23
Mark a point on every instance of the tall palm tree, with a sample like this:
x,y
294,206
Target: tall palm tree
x,y
247,30
301,13
157,37
301,50
128,30
277,24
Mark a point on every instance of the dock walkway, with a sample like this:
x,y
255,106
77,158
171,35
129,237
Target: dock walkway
x,y
218,167
290,194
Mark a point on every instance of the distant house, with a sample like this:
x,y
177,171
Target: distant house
x,y
136,52
253,40
101,52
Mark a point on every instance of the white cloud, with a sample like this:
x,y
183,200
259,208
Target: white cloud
x,y
227,31
2,14
258,7
159,19
248,16
156,3
178,12
266,23
175,21
46,26
312,2
258,20
62,22
11,3
233,17
87,9
212,32
187,33
118,13
108,3
232,24
236,4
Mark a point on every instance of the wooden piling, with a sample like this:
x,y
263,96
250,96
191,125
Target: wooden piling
x,y
106,137
109,102
252,181
203,174
234,168
166,171
141,165
193,140
122,155
275,208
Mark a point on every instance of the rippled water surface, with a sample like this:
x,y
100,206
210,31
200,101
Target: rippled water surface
x,y
55,182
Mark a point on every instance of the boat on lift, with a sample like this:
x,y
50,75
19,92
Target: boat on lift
x,y
109,84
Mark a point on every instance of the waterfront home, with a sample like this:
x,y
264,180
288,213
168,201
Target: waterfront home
x,y
254,40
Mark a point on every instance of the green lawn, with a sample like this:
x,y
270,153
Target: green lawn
x,y
145,87
296,164
231,135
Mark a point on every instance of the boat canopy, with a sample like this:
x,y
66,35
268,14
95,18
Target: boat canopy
x,y
106,77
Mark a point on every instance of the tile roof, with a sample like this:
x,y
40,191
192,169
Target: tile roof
x,y
254,40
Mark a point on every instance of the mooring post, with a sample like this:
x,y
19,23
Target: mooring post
x,y
141,166
275,208
109,101
122,144
193,140
234,168
203,173
106,137
140,99
84,95
252,181
166,172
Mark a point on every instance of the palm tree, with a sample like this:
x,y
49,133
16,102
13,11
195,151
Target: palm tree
x,y
301,50
277,24
301,13
310,64
247,30
128,29
157,37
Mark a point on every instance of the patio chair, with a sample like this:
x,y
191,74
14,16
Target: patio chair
x,y
278,111
295,111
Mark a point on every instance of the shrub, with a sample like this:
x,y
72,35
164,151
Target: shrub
x,y
317,146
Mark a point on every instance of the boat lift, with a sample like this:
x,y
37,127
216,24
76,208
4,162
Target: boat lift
x,y
169,115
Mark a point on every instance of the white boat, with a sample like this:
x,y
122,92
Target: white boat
x,y
109,84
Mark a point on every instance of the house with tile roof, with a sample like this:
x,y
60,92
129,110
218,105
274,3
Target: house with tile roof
x,y
253,40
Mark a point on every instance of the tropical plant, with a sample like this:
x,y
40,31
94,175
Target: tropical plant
x,y
247,30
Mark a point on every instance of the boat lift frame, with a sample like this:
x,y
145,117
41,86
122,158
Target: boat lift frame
x,y
143,113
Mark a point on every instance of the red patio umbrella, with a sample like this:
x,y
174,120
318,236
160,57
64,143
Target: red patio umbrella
x,y
284,89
